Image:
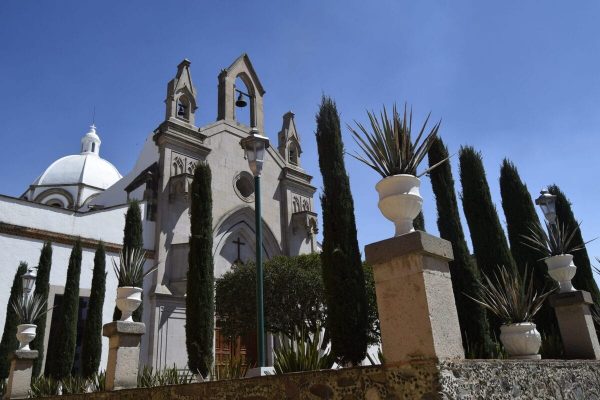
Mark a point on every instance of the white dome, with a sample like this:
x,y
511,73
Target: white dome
x,y
71,181
88,169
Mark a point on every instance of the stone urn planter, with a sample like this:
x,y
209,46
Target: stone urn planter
x,y
521,341
25,334
562,270
400,201
129,299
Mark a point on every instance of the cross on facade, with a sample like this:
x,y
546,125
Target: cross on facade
x,y
239,244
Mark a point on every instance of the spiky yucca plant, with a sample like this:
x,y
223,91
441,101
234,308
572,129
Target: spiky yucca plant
x,y
388,147
510,296
301,353
130,270
29,308
44,386
148,377
554,240
234,368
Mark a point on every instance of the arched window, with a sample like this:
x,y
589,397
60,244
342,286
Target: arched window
x,y
93,147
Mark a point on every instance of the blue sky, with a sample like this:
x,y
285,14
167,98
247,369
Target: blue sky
x,y
513,80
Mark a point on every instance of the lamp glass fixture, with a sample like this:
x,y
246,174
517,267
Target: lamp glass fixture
x,y
547,203
28,280
255,147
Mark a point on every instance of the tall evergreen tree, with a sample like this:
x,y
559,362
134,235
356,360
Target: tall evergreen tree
x,y
520,214
584,278
342,268
488,239
132,233
42,288
200,303
61,347
9,341
91,348
465,277
133,238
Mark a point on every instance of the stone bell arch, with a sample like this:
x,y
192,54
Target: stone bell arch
x,y
241,68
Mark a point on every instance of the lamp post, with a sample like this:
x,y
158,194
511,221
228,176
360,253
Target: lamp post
x,y
547,203
255,147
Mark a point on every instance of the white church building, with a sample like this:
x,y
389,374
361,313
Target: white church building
x,y
84,196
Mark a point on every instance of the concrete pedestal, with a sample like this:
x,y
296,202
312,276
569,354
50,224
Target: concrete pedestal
x,y
19,380
124,353
576,324
416,304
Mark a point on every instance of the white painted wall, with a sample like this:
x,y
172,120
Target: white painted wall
x,y
106,225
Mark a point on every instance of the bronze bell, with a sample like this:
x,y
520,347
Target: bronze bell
x,y
240,101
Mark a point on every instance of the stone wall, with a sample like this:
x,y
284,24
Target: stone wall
x,y
494,379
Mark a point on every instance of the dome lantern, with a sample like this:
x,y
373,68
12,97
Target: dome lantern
x,y
90,142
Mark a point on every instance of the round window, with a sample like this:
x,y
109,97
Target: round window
x,y
244,186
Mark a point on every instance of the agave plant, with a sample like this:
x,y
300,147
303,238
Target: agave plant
x,y
388,147
97,382
74,384
554,240
148,377
44,386
301,353
29,308
130,270
234,368
510,296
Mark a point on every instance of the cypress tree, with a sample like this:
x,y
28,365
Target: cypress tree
x,y
584,278
419,222
9,341
343,276
42,288
92,332
133,233
488,239
465,277
61,355
200,304
133,239
520,214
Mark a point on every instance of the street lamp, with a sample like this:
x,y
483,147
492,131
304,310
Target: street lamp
x,y
547,203
28,280
255,147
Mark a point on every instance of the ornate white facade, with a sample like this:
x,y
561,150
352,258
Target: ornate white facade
x,y
84,196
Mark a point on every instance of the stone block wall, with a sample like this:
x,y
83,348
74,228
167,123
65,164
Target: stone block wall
x,y
470,379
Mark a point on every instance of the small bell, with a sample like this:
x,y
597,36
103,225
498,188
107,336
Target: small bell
x,y
240,101
180,110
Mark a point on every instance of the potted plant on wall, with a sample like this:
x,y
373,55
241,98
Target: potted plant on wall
x,y
130,271
28,310
513,299
555,244
388,149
